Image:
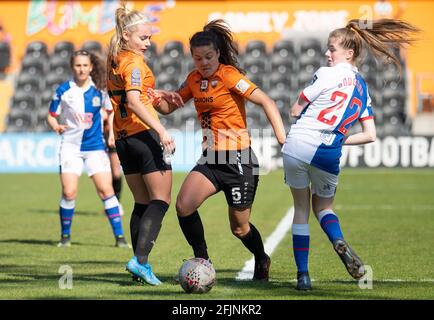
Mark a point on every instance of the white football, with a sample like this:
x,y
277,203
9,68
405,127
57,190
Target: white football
x,y
197,275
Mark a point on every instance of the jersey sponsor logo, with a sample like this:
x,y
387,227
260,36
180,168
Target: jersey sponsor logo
x,y
96,102
242,86
204,100
203,85
135,77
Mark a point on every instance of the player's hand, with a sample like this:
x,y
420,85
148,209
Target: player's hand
x,y
61,128
154,96
111,141
173,98
167,142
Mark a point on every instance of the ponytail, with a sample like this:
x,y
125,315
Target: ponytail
x,y
126,20
382,37
218,34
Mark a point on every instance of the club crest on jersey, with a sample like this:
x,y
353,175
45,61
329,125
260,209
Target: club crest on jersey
x,y
242,86
203,85
96,102
214,83
135,77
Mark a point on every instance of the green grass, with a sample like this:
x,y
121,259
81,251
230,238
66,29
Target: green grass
x,y
386,215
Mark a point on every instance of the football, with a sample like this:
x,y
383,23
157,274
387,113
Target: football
x,y
197,275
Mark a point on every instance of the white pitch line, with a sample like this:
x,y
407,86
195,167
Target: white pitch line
x,y
270,244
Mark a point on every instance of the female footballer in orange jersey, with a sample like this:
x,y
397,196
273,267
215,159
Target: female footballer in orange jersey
x,y
140,137
219,89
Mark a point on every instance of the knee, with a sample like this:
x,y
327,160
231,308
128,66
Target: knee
x,y
182,207
69,194
240,231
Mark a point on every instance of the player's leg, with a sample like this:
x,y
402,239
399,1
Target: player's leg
x,y
71,166
196,188
324,186
98,167
297,177
116,175
69,182
251,239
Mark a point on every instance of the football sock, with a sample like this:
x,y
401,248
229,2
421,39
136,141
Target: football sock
x,y
192,228
253,241
150,226
117,187
136,215
111,207
330,224
66,212
300,245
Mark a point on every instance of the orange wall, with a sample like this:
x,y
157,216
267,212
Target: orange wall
x,y
180,19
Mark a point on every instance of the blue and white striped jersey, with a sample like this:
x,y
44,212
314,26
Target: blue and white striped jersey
x,y
80,109
338,97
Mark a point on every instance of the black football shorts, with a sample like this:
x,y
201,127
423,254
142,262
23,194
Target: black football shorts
x,y
236,173
141,153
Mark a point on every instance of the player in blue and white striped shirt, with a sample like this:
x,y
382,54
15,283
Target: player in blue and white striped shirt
x,y
76,113
336,98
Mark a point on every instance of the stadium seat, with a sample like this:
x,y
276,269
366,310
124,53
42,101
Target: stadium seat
x,y
311,46
256,49
64,49
25,101
170,65
257,79
279,81
282,99
28,82
46,97
175,49
281,64
254,65
309,63
284,48
303,79
33,65
19,121
5,55
151,57
166,81
53,80
92,46
188,65
60,65
37,49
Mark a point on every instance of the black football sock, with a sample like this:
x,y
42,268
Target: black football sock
x,y
253,241
150,226
137,214
117,187
192,228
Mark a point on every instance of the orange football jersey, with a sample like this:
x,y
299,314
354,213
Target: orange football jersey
x,y
130,73
220,106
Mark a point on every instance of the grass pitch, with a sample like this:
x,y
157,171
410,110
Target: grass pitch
x,y
386,215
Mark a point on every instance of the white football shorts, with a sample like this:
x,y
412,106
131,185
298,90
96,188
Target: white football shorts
x,y
72,161
300,175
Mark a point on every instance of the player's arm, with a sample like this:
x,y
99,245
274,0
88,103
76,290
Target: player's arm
x,y
165,102
111,135
298,107
368,134
271,111
136,106
55,126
